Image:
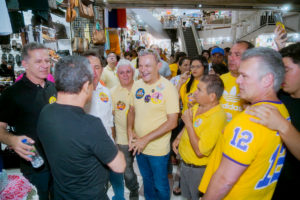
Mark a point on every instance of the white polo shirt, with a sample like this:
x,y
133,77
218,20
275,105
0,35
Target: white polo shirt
x,y
101,106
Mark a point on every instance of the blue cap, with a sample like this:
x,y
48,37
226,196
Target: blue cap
x,y
217,50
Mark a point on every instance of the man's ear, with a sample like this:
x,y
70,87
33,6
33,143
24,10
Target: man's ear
x,y
159,65
24,64
85,87
212,97
268,80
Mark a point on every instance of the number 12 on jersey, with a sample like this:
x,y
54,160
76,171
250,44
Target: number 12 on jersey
x,y
241,139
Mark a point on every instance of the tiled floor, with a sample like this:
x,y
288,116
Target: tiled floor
x,y
173,183
110,191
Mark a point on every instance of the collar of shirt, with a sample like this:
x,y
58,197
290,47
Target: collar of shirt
x,y
31,84
211,111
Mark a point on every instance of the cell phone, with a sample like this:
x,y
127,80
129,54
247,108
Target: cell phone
x,y
279,22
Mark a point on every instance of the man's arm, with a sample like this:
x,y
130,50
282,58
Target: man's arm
x,y
223,179
176,142
130,125
140,143
187,117
15,142
118,164
270,117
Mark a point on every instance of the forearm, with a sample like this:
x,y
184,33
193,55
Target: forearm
x,y
130,120
218,187
5,136
194,140
291,138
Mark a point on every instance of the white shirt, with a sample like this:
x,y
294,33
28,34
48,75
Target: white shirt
x,y
101,106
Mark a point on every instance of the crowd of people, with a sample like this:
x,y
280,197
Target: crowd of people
x,y
230,115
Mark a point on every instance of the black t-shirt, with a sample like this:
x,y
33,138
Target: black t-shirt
x,y
20,106
77,148
289,180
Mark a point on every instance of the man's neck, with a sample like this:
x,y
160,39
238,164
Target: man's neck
x,y
296,94
234,74
35,80
271,96
204,108
154,80
112,66
70,99
128,86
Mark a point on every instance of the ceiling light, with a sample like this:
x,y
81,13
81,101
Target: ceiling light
x,y
286,7
200,5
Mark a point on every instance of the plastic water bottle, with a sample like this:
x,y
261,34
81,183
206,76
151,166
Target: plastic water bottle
x,y
37,160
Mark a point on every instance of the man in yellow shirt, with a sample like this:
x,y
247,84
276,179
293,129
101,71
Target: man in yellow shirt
x,y
204,124
248,158
109,74
120,99
230,100
151,117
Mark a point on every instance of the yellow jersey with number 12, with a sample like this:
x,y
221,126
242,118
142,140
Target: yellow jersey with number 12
x,y
252,145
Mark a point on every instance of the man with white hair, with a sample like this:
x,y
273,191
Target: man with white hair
x,y
120,100
248,158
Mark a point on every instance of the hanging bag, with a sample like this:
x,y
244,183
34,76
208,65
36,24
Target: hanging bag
x,y
86,11
98,35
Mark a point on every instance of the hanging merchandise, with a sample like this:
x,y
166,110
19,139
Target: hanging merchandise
x,y
98,34
121,18
5,28
107,43
12,5
86,11
114,41
71,12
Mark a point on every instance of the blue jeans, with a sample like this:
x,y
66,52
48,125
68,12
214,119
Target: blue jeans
x,y
155,176
117,182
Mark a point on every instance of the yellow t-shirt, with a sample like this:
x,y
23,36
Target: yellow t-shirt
x,y
109,77
174,68
208,127
187,97
230,100
120,102
152,104
252,145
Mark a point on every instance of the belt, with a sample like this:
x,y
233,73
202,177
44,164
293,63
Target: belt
x,y
193,166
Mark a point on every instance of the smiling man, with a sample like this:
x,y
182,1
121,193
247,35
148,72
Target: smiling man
x,y
20,106
151,117
248,158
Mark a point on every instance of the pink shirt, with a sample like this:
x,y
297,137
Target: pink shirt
x,y
49,78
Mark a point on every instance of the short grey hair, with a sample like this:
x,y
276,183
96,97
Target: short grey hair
x,y
124,62
71,73
30,47
147,52
271,62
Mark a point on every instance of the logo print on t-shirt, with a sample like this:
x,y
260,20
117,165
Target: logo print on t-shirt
x,y
156,97
233,95
103,97
197,123
160,87
140,93
52,99
147,98
121,105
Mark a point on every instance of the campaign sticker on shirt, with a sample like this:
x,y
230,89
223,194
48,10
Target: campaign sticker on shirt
x,y
140,93
147,98
191,98
228,116
121,105
156,98
197,123
103,97
52,99
160,87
